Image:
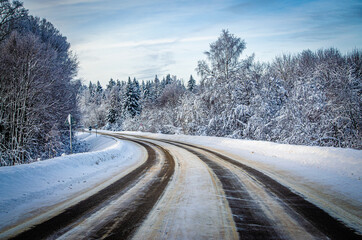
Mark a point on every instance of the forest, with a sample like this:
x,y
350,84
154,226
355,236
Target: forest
x,y
309,98
37,87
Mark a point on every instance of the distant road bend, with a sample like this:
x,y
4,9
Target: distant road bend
x,y
184,191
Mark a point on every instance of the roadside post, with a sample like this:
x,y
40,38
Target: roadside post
x,y
70,132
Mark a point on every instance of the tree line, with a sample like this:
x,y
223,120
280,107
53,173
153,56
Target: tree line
x,y
37,90
309,98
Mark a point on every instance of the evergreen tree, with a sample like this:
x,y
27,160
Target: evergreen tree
x,y
111,84
98,93
91,89
163,84
118,83
168,79
191,84
132,104
157,81
137,96
147,91
156,91
111,115
99,88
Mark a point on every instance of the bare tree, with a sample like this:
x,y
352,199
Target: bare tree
x,y
10,14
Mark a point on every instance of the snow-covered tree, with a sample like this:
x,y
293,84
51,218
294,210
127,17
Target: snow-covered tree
x,y
111,84
191,84
311,98
223,58
36,91
10,14
132,104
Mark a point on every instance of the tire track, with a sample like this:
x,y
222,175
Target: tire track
x,y
123,228
60,223
249,218
326,224
193,205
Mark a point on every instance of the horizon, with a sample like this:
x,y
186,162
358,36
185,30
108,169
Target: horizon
x,y
142,39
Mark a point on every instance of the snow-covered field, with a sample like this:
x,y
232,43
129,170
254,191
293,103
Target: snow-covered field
x,y
27,189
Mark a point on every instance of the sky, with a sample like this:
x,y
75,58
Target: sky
x,y
143,38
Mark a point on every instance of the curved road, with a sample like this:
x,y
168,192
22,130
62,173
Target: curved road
x,y
184,191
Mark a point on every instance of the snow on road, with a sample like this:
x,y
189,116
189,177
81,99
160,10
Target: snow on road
x,y
26,190
329,177
341,169
193,205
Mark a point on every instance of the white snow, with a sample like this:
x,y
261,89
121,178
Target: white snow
x,y
339,169
326,176
25,189
30,187
192,202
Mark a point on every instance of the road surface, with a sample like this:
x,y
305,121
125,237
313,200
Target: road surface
x,y
183,191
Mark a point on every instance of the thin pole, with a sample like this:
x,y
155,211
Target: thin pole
x,y
70,136
70,133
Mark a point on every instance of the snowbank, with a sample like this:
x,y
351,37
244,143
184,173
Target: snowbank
x,y
30,187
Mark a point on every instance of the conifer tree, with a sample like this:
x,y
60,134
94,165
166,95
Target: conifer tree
x,y
111,115
111,84
132,104
168,79
191,84
91,89
137,96
155,89
99,88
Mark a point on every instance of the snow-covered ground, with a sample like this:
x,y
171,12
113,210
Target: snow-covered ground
x,y
329,177
27,189
338,168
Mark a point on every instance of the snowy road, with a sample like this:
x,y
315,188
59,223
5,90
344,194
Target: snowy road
x,y
185,191
261,207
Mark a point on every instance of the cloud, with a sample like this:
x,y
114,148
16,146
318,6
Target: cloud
x,y
247,7
145,43
142,38
325,20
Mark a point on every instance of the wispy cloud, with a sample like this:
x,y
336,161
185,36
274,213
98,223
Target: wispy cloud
x,y
135,37
127,44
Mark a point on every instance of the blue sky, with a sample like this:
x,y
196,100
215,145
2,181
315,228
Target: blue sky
x,y
141,38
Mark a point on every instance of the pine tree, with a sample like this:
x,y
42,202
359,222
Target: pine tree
x,y
155,89
99,88
147,91
98,93
111,115
168,79
191,84
132,104
111,84
91,89
137,96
